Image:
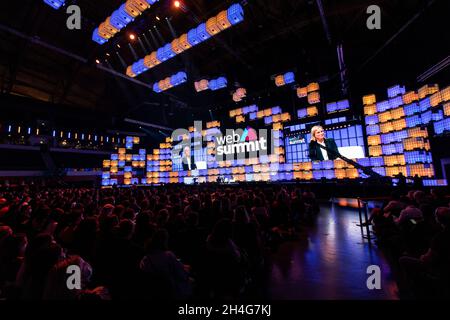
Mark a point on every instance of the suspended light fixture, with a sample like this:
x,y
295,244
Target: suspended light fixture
x,y
55,4
202,32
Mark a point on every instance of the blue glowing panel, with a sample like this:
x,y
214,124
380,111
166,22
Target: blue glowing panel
x,y
373,119
142,151
386,138
377,161
412,157
343,105
328,164
142,157
235,14
425,104
380,170
411,109
135,181
395,91
117,20
264,159
161,54
276,110
268,120
426,117
373,130
395,102
97,38
288,176
123,14
331,107
106,175
317,165
202,33
253,108
121,163
399,147
329,174
383,106
156,88
413,121
213,85
400,135
317,174
129,145
274,167
302,113
192,37
437,116
442,126
55,4
388,149
168,52
106,182
114,157
364,162
127,169
289,78
139,67
218,83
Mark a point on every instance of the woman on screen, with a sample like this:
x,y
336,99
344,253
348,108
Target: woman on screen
x,y
316,153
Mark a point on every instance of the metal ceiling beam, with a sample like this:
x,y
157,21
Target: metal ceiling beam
x,y
324,20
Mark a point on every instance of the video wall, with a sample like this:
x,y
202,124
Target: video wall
x,y
349,139
395,133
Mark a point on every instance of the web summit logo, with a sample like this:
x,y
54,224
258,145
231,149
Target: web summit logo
x,y
246,142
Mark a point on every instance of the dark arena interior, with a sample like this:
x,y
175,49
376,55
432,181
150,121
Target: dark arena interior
x,y
234,150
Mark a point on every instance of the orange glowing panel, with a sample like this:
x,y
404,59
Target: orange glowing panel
x,y
369,99
370,109
302,92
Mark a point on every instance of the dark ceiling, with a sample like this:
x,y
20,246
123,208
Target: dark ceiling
x,y
40,58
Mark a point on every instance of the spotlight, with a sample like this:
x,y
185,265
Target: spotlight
x,y
118,46
97,61
107,54
177,4
132,36
157,18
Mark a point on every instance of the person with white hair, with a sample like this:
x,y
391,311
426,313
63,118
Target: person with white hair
x,y
318,140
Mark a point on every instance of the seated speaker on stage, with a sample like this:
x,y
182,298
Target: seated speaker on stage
x,y
316,153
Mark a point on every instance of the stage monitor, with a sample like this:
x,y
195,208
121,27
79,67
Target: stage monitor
x,y
349,139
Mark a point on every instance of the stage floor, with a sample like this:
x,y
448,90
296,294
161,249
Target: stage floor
x,y
328,261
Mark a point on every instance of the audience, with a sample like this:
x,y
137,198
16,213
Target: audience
x,y
157,243
178,242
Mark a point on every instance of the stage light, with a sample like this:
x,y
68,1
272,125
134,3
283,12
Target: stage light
x,y
157,18
177,4
132,36
97,61
118,46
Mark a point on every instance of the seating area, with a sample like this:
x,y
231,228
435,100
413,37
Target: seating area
x,y
204,242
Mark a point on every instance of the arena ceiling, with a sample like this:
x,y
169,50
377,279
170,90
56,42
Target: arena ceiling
x,y
43,60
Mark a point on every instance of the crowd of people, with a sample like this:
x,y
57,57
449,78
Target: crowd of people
x,y
155,243
413,227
